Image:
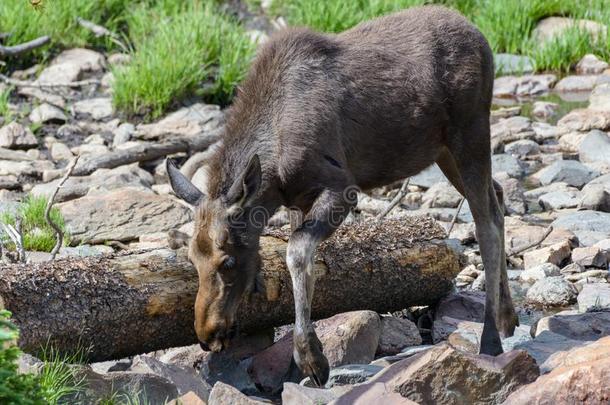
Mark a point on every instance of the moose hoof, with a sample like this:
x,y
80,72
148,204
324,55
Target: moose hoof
x,y
508,321
310,360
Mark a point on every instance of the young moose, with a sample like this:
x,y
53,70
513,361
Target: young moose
x,y
320,114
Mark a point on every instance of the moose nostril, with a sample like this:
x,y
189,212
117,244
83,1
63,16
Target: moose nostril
x,y
204,346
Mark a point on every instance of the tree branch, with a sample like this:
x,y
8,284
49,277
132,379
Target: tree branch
x,y
514,252
404,189
59,235
25,47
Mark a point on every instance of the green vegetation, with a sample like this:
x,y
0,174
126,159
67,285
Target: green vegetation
x,y
58,380
37,235
5,112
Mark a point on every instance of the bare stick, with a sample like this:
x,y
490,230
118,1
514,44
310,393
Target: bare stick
x,y
455,217
23,83
404,189
514,252
25,47
15,234
100,31
59,235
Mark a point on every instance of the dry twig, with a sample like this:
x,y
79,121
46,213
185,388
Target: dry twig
x,y
23,83
100,31
514,252
404,189
455,217
25,47
59,235
15,234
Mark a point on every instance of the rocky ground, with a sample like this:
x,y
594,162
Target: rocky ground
x,y
551,155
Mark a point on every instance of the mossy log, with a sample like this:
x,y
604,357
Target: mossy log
x,y
137,302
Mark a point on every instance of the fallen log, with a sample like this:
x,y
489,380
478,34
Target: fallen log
x,y
131,303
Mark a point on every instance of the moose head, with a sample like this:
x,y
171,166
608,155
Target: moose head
x,y
224,249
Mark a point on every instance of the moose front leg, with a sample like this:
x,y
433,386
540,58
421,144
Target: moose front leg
x,y
326,214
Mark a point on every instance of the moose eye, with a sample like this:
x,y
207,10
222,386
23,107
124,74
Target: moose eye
x,y
228,263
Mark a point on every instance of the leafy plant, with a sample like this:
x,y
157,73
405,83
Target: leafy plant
x,y
58,380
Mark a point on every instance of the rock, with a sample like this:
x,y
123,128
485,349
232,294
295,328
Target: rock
x,y
441,195
588,351
223,394
189,398
528,85
590,257
47,113
595,147
604,246
347,338
98,108
599,99
581,379
188,121
443,375
572,268
58,74
551,291
573,325
522,148
551,27
555,254
119,59
122,214
187,356
538,192
510,64
351,374
297,394
463,305
28,364
9,182
107,179
512,129
16,136
559,199
467,336
508,164
594,297
596,195
373,393
85,251
59,151
571,172
546,343
504,113
576,83
591,65
43,96
545,131
396,334
185,380
123,134
27,168
428,177
539,272
514,198
570,142
587,225
85,59
585,119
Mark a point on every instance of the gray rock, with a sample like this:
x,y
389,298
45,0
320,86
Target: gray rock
x,y
557,200
594,297
539,272
123,134
33,168
544,109
512,129
538,192
503,113
576,83
551,291
28,364
587,225
85,59
573,325
428,177
85,251
528,85
596,195
98,108
555,254
595,147
591,65
463,305
591,256
16,136
188,121
59,74
508,64
60,151
546,344
585,119
298,394
122,214
521,148
396,334
599,99
223,394
508,164
571,172
441,195
47,113
350,374
514,198
119,59
545,131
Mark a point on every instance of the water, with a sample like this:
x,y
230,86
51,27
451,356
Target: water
x,y
566,101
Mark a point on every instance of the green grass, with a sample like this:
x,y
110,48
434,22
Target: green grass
x,y
59,381
5,111
38,236
187,47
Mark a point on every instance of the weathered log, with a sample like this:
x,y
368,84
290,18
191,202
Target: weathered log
x,y
25,47
132,303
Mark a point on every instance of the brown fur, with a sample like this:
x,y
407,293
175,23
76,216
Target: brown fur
x,y
364,108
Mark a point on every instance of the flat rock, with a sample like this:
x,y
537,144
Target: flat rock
x,y
552,291
599,99
16,136
573,325
297,394
122,214
576,83
535,193
557,200
591,65
223,394
59,74
539,272
551,27
441,195
33,168
463,305
585,119
47,113
428,177
586,224
98,108
582,379
524,147
507,164
589,351
594,297
60,151
544,109
188,121
555,254
396,334
512,129
442,374
595,147
523,86
591,256
571,172
85,60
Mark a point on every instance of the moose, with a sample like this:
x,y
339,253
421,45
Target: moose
x,y
318,115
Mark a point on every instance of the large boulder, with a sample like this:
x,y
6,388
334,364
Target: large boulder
x,y
576,83
444,375
69,66
571,172
595,147
573,325
123,214
223,394
594,297
585,119
582,378
589,226
552,291
16,136
463,305
188,121
396,334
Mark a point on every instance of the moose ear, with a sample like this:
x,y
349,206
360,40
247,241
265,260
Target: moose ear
x,y
248,186
182,187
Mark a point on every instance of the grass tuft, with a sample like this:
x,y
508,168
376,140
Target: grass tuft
x,y
59,381
38,235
